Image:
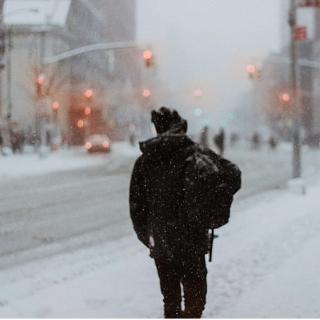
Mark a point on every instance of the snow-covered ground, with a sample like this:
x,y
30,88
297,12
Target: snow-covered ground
x,y
19,165
266,264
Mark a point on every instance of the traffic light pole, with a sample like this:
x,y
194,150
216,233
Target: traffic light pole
x,y
296,159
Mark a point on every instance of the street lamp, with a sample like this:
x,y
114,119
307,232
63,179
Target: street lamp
x,y
80,123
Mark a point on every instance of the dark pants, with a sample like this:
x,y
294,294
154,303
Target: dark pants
x,y
186,275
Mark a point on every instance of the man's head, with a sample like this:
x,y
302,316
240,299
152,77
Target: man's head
x,y
167,120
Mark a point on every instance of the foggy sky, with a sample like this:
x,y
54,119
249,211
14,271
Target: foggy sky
x,y
207,43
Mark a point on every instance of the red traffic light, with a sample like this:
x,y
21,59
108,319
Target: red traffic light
x,y
251,69
285,97
41,79
87,111
40,85
88,93
148,58
146,93
55,106
147,54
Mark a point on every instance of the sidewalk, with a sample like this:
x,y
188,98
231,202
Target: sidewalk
x,y
28,164
266,264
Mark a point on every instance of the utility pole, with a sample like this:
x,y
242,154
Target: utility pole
x,y
43,100
2,52
9,84
296,159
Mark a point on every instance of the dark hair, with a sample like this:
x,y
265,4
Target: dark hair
x,y
166,119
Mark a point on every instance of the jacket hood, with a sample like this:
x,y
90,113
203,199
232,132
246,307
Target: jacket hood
x,y
166,145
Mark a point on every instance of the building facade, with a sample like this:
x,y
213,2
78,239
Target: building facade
x,y
276,78
43,29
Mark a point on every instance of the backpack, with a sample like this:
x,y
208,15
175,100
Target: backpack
x,y
210,184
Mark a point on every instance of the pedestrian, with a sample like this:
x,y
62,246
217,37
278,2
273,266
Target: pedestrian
x,y
219,141
204,137
14,141
170,210
234,138
132,134
273,143
1,144
255,140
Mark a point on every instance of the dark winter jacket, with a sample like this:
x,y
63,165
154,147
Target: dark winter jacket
x,y
163,201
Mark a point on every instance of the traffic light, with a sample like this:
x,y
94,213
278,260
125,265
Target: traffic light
x,y
251,70
146,93
285,98
55,106
148,58
254,72
309,3
87,111
88,94
40,85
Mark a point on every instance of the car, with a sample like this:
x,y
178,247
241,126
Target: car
x,y
98,143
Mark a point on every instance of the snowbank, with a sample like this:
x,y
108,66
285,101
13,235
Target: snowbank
x,y
31,164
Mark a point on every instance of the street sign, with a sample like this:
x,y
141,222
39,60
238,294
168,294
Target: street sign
x,y
300,33
309,3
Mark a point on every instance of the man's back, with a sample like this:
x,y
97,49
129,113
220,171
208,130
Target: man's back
x,y
159,175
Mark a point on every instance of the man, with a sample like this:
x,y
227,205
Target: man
x,y
1,144
219,141
166,209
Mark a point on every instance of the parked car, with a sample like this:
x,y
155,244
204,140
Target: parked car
x,y
98,143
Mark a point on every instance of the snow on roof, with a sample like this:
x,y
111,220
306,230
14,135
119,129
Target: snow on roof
x,y
36,12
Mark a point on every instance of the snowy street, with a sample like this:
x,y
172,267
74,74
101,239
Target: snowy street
x,y
85,84
68,234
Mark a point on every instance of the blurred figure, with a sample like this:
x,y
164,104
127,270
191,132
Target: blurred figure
x,y
204,137
14,141
132,134
234,138
67,140
1,144
219,141
313,141
272,143
256,141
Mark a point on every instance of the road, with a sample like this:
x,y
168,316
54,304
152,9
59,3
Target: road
x,y
47,215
